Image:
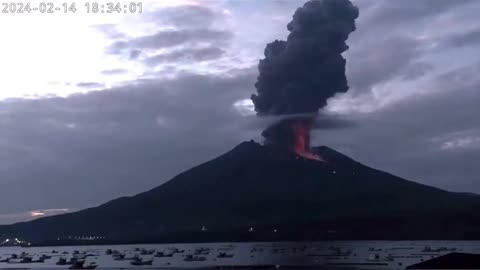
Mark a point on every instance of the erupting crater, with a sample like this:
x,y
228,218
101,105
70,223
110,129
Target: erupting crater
x,y
292,134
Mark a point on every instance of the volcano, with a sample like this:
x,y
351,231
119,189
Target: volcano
x,y
261,192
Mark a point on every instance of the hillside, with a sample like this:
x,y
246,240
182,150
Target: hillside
x,y
267,189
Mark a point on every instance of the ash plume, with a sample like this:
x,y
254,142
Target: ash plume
x,y
299,75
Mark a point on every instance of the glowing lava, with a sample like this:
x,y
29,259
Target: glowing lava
x,y
301,138
292,134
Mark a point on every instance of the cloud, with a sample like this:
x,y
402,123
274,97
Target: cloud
x,y
115,71
464,143
386,13
48,212
99,142
384,60
186,35
29,215
172,38
430,137
459,140
110,31
245,107
397,40
466,39
186,55
183,25
185,16
90,85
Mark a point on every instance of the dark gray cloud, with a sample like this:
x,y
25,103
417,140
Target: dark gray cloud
x,y
134,54
416,69
387,13
394,40
409,137
115,142
190,28
466,39
188,54
187,16
382,61
172,38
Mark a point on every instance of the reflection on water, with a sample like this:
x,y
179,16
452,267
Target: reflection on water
x,y
315,255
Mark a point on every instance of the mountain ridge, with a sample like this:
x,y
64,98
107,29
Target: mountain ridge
x,y
259,186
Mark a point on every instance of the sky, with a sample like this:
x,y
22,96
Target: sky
x,y
99,106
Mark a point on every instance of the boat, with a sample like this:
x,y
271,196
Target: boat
x,y
202,251
373,257
12,261
161,254
25,259
81,265
192,258
147,252
139,261
45,257
131,258
80,257
224,255
119,257
63,261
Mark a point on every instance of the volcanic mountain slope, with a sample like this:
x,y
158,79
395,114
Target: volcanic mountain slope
x,y
266,188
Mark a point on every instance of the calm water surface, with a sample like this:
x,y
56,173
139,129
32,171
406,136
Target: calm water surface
x,y
316,255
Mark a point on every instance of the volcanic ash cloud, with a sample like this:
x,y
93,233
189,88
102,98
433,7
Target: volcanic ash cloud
x,y
299,75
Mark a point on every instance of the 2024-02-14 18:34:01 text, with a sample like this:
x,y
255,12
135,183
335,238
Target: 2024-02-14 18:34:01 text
x,y
72,7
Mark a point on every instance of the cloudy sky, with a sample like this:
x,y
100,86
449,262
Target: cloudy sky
x,y
97,106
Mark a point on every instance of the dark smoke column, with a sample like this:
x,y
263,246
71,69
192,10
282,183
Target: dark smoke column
x,y
299,75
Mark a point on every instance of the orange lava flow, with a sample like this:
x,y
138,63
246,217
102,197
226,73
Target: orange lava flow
x,y
301,145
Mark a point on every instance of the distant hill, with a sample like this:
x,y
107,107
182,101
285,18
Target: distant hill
x,y
279,195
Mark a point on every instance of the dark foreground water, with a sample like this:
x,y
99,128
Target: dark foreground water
x,y
285,255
